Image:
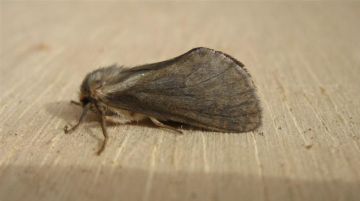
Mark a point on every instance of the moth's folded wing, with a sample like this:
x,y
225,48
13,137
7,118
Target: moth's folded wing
x,y
204,88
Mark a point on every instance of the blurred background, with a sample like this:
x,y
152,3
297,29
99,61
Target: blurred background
x,y
304,57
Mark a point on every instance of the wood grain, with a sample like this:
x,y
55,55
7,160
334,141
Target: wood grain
x,y
304,58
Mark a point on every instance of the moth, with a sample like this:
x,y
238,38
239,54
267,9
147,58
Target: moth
x,y
202,88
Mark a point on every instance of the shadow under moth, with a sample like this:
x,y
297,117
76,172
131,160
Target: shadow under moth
x,y
202,88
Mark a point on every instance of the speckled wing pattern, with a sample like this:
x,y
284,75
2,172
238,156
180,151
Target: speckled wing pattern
x,y
203,87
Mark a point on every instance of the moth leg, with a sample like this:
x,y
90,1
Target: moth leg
x,y
103,127
82,117
161,125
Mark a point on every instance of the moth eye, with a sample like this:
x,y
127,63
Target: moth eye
x,y
84,100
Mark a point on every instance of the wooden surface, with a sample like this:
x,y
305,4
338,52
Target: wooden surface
x,y
304,58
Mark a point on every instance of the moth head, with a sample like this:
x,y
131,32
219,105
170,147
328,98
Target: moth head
x,y
90,84
84,99
87,92
97,79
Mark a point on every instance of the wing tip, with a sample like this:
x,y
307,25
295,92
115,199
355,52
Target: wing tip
x,y
206,50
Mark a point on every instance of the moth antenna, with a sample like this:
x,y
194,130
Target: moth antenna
x,y
103,128
82,117
75,103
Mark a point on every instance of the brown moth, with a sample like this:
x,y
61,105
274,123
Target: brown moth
x,y
202,88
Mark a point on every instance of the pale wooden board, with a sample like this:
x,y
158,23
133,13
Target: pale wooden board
x,y
304,58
